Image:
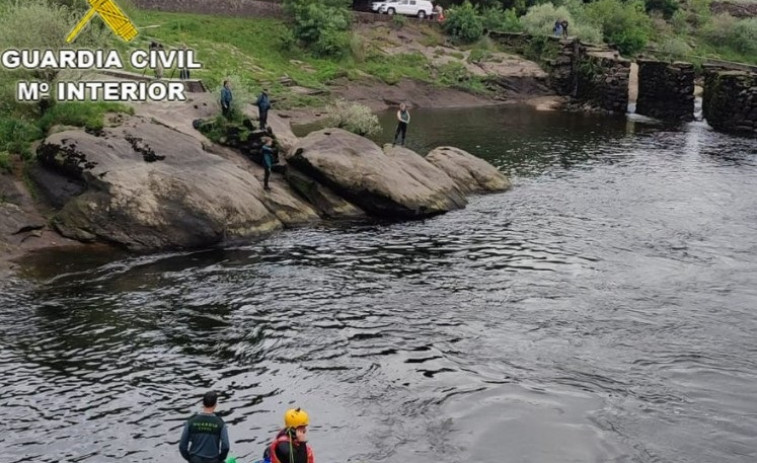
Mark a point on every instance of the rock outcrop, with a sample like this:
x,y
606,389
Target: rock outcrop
x,y
470,174
380,184
150,187
146,186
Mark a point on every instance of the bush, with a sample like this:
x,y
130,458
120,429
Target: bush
x,y
88,115
540,20
453,73
625,24
498,20
320,26
464,23
353,117
16,135
675,47
667,7
399,21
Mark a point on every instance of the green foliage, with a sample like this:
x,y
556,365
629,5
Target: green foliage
x,y
5,165
737,34
541,49
675,47
667,7
88,115
241,96
399,21
625,24
453,73
16,135
353,117
540,20
463,23
320,26
498,20
478,54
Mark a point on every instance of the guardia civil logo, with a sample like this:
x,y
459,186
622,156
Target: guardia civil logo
x,y
112,15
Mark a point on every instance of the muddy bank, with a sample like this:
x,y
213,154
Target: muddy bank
x,y
379,96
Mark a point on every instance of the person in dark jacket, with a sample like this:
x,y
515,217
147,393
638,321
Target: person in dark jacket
x,y
267,150
226,99
264,104
205,438
290,444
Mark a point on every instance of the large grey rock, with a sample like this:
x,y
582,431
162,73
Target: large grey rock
x,y
470,173
151,187
380,184
328,203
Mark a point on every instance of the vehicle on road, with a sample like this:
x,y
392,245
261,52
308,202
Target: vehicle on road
x,y
420,8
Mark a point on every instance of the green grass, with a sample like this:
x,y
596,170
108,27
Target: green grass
x,y
251,48
85,114
18,131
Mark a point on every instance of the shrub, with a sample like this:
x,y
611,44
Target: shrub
x,y
464,23
16,135
667,7
675,47
353,117
320,26
453,73
399,21
498,20
739,35
540,20
625,24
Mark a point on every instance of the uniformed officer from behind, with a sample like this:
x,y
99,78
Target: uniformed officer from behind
x,y
205,438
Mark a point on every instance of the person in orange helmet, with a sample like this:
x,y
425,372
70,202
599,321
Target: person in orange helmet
x,y
290,444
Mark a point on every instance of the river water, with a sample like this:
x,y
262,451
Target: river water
x,y
604,310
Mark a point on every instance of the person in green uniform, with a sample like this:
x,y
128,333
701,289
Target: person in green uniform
x,y
205,438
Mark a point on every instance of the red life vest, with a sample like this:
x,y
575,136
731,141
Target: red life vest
x,y
285,438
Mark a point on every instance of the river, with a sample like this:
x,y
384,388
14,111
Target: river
x,y
603,310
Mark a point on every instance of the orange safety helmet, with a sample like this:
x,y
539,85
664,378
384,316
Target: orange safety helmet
x,y
296,417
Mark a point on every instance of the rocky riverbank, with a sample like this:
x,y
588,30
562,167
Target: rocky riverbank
x,y
152,182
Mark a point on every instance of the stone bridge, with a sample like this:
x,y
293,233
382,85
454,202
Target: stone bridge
x,y
599,77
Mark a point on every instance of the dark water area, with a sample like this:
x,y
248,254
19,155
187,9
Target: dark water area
x,y
604,310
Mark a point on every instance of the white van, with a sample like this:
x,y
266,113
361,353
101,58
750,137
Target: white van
x,y
420,8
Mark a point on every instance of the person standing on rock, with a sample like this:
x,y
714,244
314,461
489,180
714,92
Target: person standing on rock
x,y
267,150
564,25
205,438
226,99
264,104
403,119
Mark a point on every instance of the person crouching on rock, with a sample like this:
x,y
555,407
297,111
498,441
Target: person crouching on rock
x,y
267,150
403,119
290,444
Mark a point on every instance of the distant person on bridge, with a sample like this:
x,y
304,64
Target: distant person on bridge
x,y
264,104
226,99
557,29
205,438
290,444
403,119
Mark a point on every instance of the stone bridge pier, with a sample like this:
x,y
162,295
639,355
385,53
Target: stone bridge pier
x,y
666,90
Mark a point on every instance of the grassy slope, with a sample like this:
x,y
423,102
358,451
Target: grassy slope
x,y
251,51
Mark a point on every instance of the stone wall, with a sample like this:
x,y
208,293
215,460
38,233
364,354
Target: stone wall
x,y
602,82
666,91
729,102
